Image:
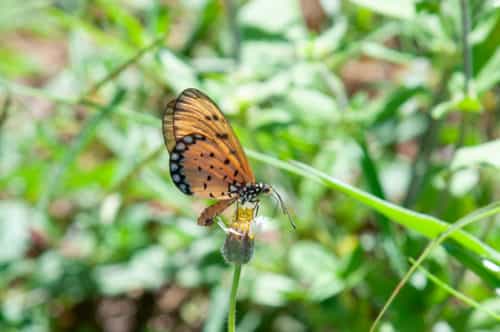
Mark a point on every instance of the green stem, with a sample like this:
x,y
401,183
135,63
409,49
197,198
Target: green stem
x,y
231,321
467,63
468,72
232,13
462,297
467,55
388,232
427,144
118,70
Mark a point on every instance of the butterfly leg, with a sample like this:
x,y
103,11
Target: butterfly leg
x,y
256,209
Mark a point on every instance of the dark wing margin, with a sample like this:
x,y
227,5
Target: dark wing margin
x,y
168,125
201,167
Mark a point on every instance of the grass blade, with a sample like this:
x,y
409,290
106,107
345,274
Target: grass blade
x,y
459,295
426,225
477,215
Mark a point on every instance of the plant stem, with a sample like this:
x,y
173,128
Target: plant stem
x,y
467,60
118,186
388,232
460,296
118,70
420,165
465,44
4,114
467,63
231,12
231,321
427,143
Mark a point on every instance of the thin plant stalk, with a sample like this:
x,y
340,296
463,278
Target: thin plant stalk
x,y
119,69
231,321
467,55
232,13
468,72
457,294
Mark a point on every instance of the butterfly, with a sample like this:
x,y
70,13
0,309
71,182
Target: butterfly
x,y
206,157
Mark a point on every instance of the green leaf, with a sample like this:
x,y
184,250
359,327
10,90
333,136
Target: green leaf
x,y
146,270
317,269
481,321
262,14
265,58
469,104
442,109
326,43
313,106
391,104
272,289
379,51
14,230
481,267
482,154
402,9
177,73
483,52
131,25
218,310
489,74
206,13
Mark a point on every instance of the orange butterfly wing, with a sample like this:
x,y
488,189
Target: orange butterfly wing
x,y
206,158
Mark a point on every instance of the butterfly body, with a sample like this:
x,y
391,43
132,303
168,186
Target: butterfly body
x,y
251,191
206,158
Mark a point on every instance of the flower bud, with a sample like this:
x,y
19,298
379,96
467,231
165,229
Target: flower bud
x,y
239,244
238,249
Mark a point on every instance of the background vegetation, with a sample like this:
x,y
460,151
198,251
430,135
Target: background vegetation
x,y
374,95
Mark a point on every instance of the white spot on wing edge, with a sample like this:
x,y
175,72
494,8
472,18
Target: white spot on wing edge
x,y
180,146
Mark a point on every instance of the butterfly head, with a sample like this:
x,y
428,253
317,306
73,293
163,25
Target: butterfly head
x,y
250,192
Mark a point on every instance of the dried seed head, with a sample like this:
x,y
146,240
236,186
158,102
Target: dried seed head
x,y
238,249
239,243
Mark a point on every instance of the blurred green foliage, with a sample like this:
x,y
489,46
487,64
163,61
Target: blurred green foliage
x,y
95,237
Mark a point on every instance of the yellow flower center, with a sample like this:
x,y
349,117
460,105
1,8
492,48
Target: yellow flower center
x,y
242,220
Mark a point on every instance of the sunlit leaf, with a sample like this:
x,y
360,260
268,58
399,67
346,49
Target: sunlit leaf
x,y
394,8
483,154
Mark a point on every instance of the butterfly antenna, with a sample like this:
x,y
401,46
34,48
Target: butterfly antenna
x,y
283,207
